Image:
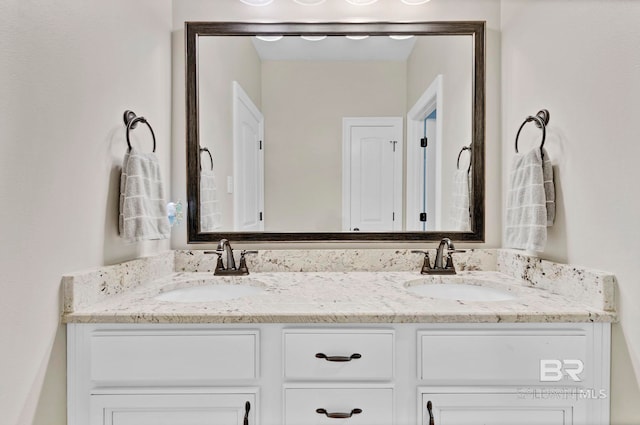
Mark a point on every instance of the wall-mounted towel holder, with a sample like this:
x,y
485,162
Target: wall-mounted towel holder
x,y
210,156
131,121
541,119
465,148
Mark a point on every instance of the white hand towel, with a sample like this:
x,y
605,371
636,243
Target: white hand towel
x,y
210,216
530,201
143,214
549,188
460,213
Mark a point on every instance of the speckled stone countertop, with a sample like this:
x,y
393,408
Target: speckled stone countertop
x,y
362,287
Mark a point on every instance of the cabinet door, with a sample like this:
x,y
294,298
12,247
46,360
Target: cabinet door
x,y
170,409
530,407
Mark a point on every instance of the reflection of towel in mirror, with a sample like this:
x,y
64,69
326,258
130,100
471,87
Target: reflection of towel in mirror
x,y
210,216
143,214
460,212
530,201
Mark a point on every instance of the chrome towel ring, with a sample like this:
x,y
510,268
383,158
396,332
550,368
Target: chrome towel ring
x,y
465,148
210,156
131,121
541,119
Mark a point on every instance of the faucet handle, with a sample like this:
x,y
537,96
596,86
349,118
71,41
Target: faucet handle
x,y
418,251
243,262
219,264
449,264
426,264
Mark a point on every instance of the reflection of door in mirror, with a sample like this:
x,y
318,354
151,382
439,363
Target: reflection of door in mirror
x,y
432,220
424,160
439,80
248,163
372,174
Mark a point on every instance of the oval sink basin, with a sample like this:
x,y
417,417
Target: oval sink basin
x,y
210,292
458,291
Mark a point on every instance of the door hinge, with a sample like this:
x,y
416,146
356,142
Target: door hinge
x,y
393,143
260,215
424,142
260,143
394,217
423,217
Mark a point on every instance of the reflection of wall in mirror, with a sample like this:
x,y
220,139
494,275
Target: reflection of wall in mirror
x,y
221,61
303,162
452,57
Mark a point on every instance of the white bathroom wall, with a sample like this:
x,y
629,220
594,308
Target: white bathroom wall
x,y
338,10
581,61
68,70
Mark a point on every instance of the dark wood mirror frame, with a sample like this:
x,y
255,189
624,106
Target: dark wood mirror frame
x,y
193,30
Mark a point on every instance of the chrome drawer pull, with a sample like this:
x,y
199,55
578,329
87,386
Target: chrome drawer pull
x,y
338,358
338,415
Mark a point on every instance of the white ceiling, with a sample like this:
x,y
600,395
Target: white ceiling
x,y
335,48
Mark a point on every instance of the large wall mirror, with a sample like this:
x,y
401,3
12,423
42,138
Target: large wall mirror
x,y
335,131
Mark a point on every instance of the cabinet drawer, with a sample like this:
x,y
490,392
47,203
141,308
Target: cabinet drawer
x,y
125,357
499,357
311,406
317,355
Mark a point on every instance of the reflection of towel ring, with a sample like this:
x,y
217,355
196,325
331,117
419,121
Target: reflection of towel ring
x,y
210,156
541,120
465,148
131,121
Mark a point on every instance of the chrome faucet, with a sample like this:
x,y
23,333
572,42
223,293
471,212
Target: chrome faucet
x,y
224,247
441,265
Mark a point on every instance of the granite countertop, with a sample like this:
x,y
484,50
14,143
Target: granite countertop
x,y
122,296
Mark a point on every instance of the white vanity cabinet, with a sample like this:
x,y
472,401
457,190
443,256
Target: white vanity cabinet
x,y
551,374
162,374
349,374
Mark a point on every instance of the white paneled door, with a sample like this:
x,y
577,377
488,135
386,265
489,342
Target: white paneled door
x,y
248,163
372,174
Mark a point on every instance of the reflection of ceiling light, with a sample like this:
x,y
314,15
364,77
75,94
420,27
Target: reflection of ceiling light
x,y
257,2
401,37
361,2
357,37
269,37
309,2
313,37
414,2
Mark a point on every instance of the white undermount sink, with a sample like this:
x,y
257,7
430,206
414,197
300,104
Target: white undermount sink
x,y
457,291
212,290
